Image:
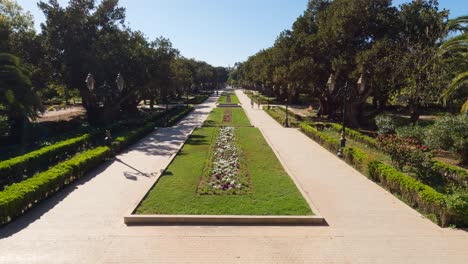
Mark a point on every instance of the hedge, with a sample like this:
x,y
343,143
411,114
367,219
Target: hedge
x,y
15,169
356,135
18,198
450,172
280,117
330,143
413,192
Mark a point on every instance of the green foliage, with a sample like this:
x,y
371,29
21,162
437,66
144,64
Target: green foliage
x,y
16,94
416,132
446,210
279,114
19,197
457,203
323,139
216,118
356,135
412,191
450,133
454,173
274,192
386,124
15,169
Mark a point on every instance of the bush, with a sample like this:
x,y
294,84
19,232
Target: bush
x,y
356,135
19,197
414,132
386,124
17,168
412,191
455,174
457,204
450,133
328,142
279,114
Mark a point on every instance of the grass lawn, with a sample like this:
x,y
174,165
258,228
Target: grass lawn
x,y
239,118
234,99
274,192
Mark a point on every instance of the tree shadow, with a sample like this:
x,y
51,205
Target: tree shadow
x,y
48,204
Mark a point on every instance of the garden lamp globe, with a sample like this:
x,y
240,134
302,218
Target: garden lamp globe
x,y
331,83
90,82
361,84
120,82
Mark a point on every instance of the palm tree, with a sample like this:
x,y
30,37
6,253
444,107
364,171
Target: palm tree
x,y
456,49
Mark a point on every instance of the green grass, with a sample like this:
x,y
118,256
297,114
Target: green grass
x,y
239,118
274,192
234,99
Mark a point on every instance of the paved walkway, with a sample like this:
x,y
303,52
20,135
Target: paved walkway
x,y
84,224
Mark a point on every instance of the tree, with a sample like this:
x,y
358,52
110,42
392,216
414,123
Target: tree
x,y
16,95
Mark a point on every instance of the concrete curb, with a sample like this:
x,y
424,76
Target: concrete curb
x,y
222,220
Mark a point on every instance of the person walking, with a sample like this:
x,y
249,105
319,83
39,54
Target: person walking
x,y
252,103
259,104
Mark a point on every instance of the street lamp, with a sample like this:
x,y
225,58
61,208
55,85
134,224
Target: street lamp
x,y
120,82
361,84
90,82
286,122
331,83
343,125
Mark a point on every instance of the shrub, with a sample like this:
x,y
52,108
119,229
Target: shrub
x,y
457,204
279,114
455,174
15,169
412,191
386,124
412,131
19,197
450,133
356,135
328,142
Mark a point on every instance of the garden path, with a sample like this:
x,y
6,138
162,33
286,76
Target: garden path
x,y
366,224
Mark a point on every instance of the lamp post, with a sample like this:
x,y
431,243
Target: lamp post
x,y
286,122
343,125
120,82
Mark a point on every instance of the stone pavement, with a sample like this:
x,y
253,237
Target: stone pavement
x,y
366,224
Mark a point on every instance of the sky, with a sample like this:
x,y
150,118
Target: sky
x,y
220,32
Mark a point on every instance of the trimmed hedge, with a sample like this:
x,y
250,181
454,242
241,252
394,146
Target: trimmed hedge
x,y
415,193
412,191
15,169
356,135
330,143
279,114
453,173
18,198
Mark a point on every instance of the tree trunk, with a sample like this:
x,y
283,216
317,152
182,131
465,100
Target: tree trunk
x,y
17,128
414,112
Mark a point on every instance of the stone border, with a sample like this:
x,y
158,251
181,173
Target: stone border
x,y
228,105
133,219
222,220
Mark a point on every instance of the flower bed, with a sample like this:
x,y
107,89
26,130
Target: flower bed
x,y
227,118
223,174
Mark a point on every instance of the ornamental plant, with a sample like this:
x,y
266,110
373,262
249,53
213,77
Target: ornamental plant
x,y
403,151
450,133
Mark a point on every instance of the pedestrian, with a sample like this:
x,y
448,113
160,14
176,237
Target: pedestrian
x,y
258,102
252,103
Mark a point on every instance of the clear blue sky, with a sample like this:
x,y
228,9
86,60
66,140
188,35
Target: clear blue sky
x,y
220,32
